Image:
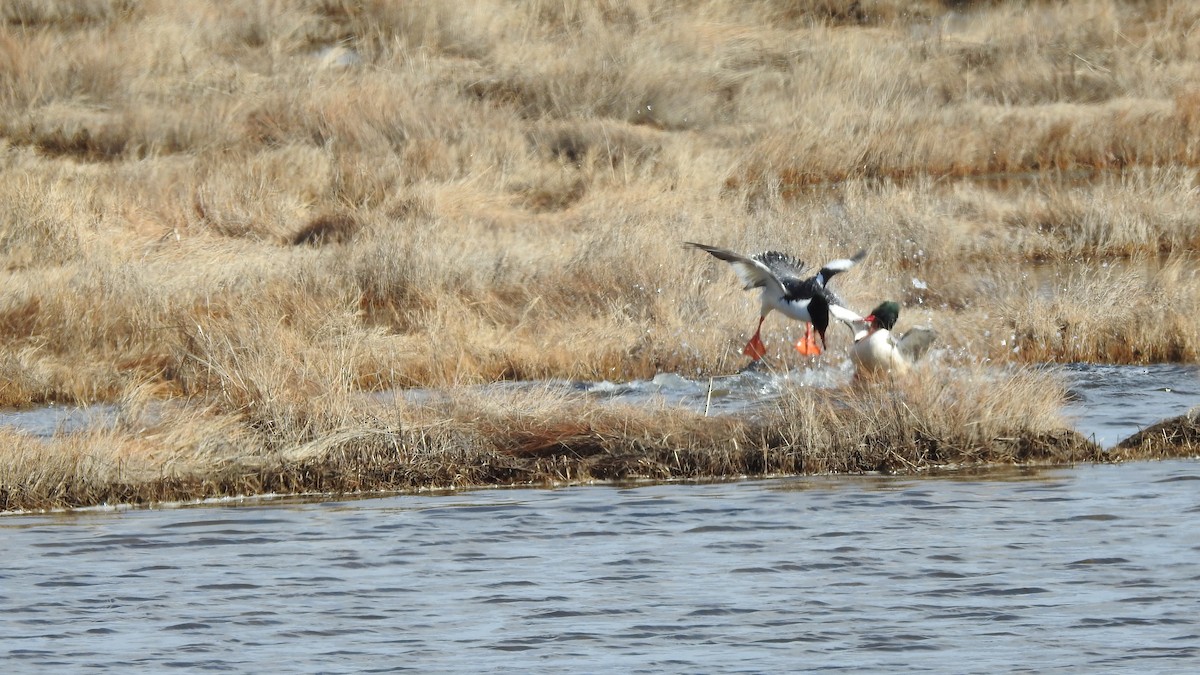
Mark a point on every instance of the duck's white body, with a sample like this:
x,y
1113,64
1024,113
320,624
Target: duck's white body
x,y
797,308
880,352
877,350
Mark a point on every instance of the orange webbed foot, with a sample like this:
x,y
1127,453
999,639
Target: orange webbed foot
x,y
808,346
755,348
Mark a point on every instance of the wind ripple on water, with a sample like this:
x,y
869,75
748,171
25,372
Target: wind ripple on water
x,y
1067,570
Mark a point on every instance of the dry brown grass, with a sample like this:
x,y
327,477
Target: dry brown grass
x,y
1169,438
250,209
468,436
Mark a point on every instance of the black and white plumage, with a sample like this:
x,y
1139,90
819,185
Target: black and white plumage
x,y
877,350
786,290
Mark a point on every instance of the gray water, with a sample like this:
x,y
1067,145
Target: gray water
x,y
1112,403
1090,569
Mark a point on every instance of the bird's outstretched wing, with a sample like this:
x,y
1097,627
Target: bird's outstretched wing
x,y
858,325
840,265
846,315
782,265
915,343
753,273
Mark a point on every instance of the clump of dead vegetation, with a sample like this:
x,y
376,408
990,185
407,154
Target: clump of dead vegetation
x,y
941,417
1169,438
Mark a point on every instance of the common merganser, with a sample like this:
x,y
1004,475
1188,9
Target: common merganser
x,y
783,289
877,350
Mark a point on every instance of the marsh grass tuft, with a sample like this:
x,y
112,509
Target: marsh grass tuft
x,y
1169,438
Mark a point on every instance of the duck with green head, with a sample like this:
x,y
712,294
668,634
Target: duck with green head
x,y
877,350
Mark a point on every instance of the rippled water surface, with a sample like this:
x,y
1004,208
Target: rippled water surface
x,y
1092,569
1112,403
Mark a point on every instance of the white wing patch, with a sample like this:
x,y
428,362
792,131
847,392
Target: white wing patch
x,y
858,325
842,314
839,265
753,274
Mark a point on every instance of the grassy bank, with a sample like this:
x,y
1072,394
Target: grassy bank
x,y
488,436
253,217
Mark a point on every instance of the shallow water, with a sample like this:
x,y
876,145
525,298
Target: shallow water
x,y
1109,403
45,421
1092,569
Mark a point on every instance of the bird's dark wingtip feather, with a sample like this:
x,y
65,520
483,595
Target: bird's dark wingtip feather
x,y
714,251
781,264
